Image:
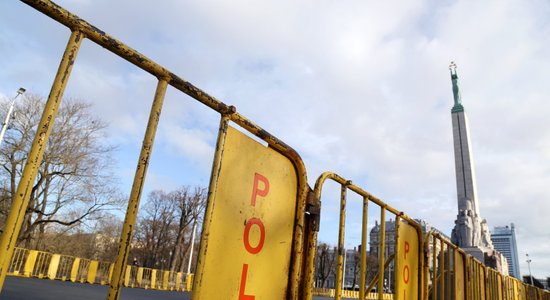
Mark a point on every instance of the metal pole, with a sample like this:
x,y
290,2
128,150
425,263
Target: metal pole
x,y
364,249
20,202
10,110
135,196
212,188
192,246
344,271
341,233
529,266
381,254
389,275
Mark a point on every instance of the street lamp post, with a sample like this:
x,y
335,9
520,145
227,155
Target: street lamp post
x,y
8,115
192,246
529,266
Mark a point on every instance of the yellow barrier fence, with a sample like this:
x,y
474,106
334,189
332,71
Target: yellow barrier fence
x,y
40,264
427,266
405,249
450,273
349,294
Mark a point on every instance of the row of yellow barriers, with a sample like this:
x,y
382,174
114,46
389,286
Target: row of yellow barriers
x,y
421,273
349,294
427,265
450,273
40,264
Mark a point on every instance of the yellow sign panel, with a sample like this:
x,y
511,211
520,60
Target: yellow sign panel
x,y
459,275
406,275
250,238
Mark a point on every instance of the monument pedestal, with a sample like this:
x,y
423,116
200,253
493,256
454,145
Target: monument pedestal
x,y
489,257
476,252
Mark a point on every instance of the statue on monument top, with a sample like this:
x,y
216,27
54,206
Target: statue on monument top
x,y
456,91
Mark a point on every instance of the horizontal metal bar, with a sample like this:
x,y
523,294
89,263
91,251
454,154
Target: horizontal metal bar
x,y
348,183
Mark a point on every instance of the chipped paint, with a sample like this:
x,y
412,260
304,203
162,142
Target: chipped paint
x,y
311,238
21,201
137,189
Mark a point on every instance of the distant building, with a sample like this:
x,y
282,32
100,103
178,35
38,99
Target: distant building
x,y
504,241
374,240
390,236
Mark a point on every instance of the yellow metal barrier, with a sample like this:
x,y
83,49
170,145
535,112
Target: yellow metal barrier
x,y
452,274
349,294
29,264
17,263
292,287
62,267
39,264
82,270
92,271
103,272
408,245
444,270
447,273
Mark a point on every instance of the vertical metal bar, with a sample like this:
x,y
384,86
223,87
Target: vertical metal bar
x,y
381,254
476,280
448,277
478,289
426,269
391,271
341,253
421,283
135,195
310,263
364,224
442,260
435,269
468,284
22,195
491,283
216,167
481,293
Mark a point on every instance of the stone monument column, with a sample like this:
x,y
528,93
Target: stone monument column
x,y
468,218
471,231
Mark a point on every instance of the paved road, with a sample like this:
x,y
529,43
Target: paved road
x,y
19,288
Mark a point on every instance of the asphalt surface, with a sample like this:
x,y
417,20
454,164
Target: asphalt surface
x,y
20,288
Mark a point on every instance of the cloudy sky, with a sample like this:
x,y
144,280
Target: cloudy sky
x,y
361,88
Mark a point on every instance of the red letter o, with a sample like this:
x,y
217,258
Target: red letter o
x,y
249,223
406,274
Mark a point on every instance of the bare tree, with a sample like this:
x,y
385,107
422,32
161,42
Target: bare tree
x,y
325,259
190,206
163,234
154,236
74,183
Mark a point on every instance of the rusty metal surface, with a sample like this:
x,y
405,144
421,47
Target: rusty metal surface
x,y
135,195
222,133
22,195
256,184
364,225
367,197
341,236
307,208
113,45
